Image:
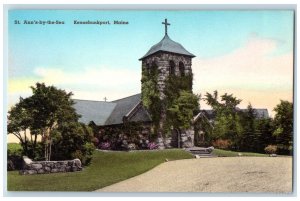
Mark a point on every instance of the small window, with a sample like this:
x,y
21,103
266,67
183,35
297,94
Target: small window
x,y
181,69
172,68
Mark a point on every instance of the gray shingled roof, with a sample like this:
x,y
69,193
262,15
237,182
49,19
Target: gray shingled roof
x,y
96,111
124,106
140,115
168,45
110,113
258,113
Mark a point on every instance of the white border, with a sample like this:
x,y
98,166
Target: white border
x,y
210,4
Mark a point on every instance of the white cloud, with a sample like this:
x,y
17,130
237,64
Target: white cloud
x,y
89,76
90,83
251,72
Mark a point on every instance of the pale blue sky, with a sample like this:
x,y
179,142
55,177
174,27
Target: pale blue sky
x,y
248,53
204,33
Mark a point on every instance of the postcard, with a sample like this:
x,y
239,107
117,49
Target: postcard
x,y
150,100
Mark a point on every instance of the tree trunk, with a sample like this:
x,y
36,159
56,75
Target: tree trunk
x,y
25,144
50,145
34,145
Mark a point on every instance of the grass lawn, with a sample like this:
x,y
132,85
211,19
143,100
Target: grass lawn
x,y
225,153
106,168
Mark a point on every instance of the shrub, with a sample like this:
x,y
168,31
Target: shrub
x,y
132,146
14,156
152,145
222,144
271,149
105,146
284,149
77,154
95,141
72,140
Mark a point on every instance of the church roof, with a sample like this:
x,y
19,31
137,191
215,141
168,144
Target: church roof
x,y
111,113
123,107
168,45
96,111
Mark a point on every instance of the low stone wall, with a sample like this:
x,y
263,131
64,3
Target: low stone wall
x,y
46,167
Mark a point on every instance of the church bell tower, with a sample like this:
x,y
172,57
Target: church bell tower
x,y
169,57
166,58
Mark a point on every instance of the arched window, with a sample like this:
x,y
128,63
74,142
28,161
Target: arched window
x,y
171,68
181,69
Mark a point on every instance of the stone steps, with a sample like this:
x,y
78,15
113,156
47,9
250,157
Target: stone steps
x,y
199,152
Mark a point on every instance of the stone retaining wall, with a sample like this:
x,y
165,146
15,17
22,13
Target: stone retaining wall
x,y
46,167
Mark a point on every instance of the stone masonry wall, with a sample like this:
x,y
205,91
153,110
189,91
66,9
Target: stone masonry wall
x,y
187,138
46,167
162,60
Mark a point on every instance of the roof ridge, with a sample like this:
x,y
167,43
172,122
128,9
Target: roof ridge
x,y
125,97
91,100
166,44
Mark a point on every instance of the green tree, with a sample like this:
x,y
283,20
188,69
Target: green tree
x,y
45,113
283,125
264,130
249,139
181,112
19,121
227,123
49,107
72,140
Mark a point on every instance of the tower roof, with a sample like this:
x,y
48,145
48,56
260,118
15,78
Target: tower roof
x,y
167,45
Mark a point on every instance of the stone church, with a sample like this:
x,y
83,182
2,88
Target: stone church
x,y
170,58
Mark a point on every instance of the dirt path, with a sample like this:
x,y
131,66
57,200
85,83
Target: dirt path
x,y
232,174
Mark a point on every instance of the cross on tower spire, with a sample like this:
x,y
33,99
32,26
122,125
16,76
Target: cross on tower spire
x,y
166,26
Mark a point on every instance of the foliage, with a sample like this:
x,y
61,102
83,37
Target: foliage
x,y
244,130
14,149
179,103
150,94
95,141
264,132
174,85
221,144
283,123
19,121
152,145
105,146
48,112
120,137
227,124
14,156
249,138
72,140
181,111
271,149
106,168
132,146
